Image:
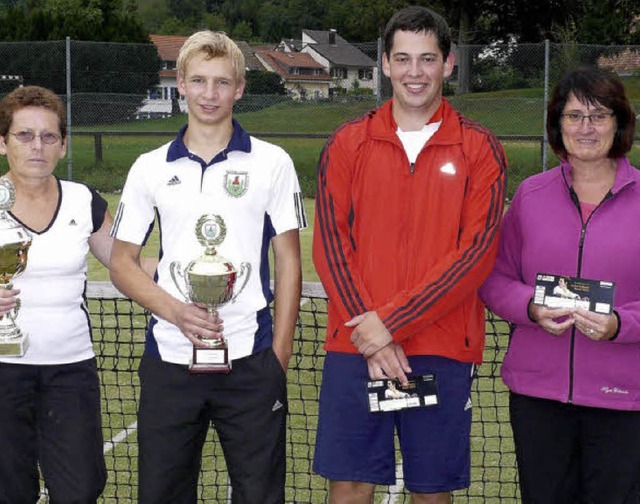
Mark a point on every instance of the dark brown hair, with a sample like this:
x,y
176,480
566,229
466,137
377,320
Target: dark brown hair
x,y
31,96
418,19
592,86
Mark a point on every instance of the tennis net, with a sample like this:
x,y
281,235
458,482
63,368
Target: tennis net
x,y
118,332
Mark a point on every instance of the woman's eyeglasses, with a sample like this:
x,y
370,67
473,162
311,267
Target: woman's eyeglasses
x,y
26,137
598,118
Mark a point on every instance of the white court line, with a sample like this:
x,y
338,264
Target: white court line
x,y
119,437
395,491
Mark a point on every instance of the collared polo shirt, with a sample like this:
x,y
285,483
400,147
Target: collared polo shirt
x,y
252,185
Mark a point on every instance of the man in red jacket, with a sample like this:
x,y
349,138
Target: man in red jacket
x,y
408,209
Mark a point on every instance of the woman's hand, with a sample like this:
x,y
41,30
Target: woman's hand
x,y
596,326
8,300
553,320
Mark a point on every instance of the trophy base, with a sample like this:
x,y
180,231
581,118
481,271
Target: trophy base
x,y
15,347
210,360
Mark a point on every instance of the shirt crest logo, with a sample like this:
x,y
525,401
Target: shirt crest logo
x,y
236,183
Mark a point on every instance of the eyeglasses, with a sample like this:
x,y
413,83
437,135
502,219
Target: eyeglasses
x,y
598,118
26,137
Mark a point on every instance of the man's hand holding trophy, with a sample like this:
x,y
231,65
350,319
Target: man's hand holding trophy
x,y
210,280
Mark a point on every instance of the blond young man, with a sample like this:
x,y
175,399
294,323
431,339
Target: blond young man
x,y
213,166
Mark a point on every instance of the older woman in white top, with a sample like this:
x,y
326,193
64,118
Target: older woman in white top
x,y
50,396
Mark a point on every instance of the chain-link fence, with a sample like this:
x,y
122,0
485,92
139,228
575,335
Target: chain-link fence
x,y
122,98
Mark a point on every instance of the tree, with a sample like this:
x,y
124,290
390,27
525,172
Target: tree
x,y
598,21
362,20
215,22
304,14
109,80
174,26
152,14
98,20
609,22
261,82
242,31
188,11
273,22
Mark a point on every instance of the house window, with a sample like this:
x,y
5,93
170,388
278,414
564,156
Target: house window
x,y
155,93
339,73
168,65
365,73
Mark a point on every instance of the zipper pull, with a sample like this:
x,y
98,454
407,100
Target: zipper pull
x,y
582,233
412,168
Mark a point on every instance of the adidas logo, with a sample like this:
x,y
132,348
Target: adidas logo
x,y
276,405
73,222
174,181
448,168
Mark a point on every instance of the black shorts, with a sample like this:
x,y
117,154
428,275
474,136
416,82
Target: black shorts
x,y
248,409
568,453
51,415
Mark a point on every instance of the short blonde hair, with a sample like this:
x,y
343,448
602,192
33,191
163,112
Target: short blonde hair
x,y
213,45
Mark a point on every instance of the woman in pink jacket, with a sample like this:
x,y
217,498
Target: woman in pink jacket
x,y
574,374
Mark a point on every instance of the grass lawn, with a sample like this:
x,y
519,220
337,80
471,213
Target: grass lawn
x,y
511,112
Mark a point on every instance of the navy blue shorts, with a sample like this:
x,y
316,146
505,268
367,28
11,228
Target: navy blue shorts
x,y
353,444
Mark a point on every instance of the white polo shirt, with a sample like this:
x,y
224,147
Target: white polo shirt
x,y
253,186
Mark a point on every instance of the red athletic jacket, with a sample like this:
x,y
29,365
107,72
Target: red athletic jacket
x,y
413,242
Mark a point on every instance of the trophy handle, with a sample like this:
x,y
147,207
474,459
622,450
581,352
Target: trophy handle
x,y
177,275
13,313
245,272
8,328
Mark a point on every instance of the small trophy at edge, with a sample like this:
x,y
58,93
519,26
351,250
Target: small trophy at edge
x,y
210,279
14,246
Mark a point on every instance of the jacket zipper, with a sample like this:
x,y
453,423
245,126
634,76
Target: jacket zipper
x,y
409,271
573,329
583,232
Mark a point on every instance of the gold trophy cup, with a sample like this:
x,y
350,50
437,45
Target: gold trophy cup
x,y
210,280
14,246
